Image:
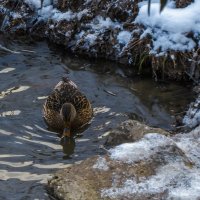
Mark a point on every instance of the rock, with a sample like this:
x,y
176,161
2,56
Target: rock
x,y
155,167
131,131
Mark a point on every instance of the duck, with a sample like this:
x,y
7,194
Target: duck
x,y
66,109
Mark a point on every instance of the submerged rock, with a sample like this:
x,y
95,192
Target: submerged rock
x,y
154,167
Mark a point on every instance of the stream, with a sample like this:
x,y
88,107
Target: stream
x,y
29,152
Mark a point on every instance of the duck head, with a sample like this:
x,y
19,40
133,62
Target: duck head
x,y
68,114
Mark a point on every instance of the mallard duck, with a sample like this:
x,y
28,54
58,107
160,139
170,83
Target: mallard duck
x,y
67,109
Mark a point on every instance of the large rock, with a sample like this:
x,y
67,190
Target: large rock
x,y
154,167
131,131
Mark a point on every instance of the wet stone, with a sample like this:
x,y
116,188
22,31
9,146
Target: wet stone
x,y
130,131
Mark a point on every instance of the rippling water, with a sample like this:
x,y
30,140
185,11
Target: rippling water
x,y
29,153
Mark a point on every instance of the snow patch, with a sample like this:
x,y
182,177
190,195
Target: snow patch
x,y
124,37
192,117
90,38
58,16
175,179
101,164
100,23
143,149
81,13
35,4
169,28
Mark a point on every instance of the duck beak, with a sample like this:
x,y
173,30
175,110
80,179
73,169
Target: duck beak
x,y
66,132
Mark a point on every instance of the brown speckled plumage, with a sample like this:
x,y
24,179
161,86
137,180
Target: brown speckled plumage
x,y
66,91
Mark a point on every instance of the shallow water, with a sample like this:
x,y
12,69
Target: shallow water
x,y
29,153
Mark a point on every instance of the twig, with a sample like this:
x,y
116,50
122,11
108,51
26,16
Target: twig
x,y
192,78
179,113
28,51
102,147
109,92
51,197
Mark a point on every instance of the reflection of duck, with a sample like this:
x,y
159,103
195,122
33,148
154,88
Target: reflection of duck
x,y
68,144
67,109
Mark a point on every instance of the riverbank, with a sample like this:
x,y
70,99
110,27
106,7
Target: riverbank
x,y
115,30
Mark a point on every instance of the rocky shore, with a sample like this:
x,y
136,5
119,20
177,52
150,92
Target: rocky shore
x,y
152,165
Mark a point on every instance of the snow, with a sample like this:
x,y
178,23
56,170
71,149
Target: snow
x,y
169,28
45,12
58,16
90,38
35,4
192,117
143,149
81,13
189,143
181,183
124,37
100,23
101,164
49,12
174,177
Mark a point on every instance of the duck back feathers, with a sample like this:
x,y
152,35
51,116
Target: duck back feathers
x,y
66,91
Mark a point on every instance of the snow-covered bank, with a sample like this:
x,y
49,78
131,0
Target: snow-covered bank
x,y
169,29
116,30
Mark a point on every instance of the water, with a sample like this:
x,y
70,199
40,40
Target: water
x,y
29,153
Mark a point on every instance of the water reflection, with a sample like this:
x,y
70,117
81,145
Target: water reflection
x,y
68,144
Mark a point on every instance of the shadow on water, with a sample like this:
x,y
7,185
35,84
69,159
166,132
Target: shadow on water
x,y
29,152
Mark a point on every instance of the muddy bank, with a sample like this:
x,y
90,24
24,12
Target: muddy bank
x,y
103,29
